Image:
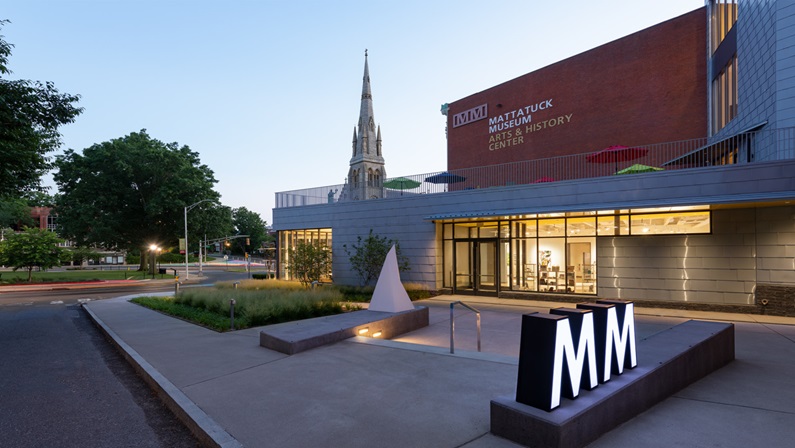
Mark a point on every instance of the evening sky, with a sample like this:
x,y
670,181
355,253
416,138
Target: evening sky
x,y
268,92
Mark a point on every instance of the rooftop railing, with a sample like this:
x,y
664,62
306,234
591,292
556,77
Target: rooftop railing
x,y
748,147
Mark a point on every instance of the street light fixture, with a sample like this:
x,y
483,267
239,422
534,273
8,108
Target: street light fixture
x,y
153,249
188,208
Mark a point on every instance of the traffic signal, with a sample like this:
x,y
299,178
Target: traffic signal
x,y
248,242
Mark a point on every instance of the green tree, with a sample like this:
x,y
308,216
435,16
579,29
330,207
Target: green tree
x,y
367,256
309,261
32,248
130,192
214,222
79,254
37,198
247,222
14,212
30,114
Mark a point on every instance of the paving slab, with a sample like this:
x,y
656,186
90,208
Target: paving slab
x,y
363,394
352,394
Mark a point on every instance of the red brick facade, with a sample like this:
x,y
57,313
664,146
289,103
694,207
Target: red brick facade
x,y
39,216
648,87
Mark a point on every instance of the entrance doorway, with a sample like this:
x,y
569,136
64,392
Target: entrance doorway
x,y
476,267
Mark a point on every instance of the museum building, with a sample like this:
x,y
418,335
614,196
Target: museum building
x,y
659,167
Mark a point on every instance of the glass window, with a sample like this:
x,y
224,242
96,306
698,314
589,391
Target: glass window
x,y
613,225
552,227
552,264
505,230
461,231
671,223
524,229
581,226
581,265
448,264
524,265
724,15
504,250
289,239
463,265
724,96
488,230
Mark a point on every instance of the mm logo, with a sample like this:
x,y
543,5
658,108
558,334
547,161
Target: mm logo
x,y
468,116
569,349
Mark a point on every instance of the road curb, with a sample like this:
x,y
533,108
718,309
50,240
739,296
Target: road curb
x,y
205,429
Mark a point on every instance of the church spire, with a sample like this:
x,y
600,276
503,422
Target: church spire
x,y
366,150
366,94
366,173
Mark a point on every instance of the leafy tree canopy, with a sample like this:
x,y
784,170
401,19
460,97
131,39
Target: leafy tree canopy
x,y
131,192
247,222
309,261
37,198
30,114
33,248
14,212
367,256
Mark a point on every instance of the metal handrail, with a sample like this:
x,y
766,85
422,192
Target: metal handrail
x,y
452,323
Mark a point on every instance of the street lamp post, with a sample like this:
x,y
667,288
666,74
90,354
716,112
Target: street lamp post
x,y
153,249
188,208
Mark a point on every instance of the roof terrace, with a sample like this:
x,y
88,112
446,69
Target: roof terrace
x,y
742,148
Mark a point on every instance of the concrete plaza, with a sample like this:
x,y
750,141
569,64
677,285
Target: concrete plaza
x,y
411,391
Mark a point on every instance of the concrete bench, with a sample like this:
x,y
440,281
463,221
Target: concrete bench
x,y
302,335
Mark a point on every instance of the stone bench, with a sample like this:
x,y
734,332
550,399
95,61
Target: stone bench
x,y
298,336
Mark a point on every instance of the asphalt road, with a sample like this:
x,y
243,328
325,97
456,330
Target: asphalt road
x,y
63,385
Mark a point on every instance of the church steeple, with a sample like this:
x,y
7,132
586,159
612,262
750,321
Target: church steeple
x,y
367,139
366,174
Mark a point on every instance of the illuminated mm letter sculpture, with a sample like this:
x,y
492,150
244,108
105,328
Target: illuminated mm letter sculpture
x,y
568,349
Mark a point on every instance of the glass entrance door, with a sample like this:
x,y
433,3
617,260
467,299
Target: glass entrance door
x,y
487,266
476,267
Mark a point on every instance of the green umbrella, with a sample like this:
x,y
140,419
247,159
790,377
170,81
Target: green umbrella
x,y
638,168
401,183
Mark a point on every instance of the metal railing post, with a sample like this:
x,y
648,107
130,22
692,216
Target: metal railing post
x,y
232,314
452,328
452,323
478,319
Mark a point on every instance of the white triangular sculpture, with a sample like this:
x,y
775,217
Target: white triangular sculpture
x,y
390,296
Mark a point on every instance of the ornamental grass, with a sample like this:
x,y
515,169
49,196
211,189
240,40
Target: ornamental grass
x,y
256,304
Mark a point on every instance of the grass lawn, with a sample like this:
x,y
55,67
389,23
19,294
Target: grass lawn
x,y
258,302
20,276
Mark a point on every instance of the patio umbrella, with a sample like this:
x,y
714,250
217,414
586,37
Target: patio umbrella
x,y
615,154
401,183
543,179
638,168
445,178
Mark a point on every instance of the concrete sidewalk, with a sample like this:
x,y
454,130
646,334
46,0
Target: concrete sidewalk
x,y
410,392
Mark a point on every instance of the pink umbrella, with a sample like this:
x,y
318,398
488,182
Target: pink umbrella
x,y
615,154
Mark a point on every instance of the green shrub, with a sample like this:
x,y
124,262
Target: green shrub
x,y
416,291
